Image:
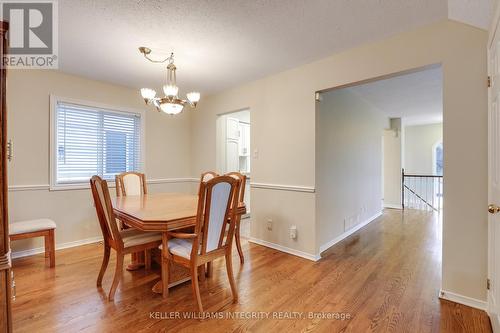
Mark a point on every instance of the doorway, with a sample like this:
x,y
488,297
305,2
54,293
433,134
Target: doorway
x,y
359,175
233,148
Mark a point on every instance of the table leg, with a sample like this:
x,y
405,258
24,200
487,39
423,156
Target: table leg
x,y
138,261
164,264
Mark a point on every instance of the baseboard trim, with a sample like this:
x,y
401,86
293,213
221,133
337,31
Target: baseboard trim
x,y
38,250
493,314
393,206
464,300
347,233
285,249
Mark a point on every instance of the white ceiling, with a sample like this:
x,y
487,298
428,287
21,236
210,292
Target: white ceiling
x,y
415,97
222,43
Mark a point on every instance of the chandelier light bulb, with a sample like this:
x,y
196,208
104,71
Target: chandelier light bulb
x,y
170,90
148,94
193,97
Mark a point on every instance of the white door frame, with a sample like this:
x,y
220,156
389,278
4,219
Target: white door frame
x,y
495,323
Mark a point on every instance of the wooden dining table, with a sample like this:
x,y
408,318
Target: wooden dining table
x,y
161,212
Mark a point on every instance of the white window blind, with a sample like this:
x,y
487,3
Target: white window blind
x,y
94,141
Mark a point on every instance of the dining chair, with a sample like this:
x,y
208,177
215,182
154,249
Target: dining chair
x,y
133,183
130,183
122,241
209,241
241,197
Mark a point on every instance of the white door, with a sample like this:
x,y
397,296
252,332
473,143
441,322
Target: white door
x,y
232,129
232,156
494,184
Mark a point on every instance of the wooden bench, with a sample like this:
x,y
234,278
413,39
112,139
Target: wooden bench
x,y
36,228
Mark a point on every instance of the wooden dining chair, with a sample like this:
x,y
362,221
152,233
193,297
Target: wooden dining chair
x,y
122,241
133,183
237,237
241,197
130,183
209,240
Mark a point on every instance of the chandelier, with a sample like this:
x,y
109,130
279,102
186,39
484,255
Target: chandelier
x,y
170,103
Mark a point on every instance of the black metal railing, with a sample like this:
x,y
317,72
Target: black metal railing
x,y
423,192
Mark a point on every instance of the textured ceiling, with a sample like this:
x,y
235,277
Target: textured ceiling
x,y
415,97
221,43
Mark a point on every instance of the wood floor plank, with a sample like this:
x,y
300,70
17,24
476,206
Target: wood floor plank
x,y
386,277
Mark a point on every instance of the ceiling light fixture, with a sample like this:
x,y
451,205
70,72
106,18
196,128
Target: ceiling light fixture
x,y
170,103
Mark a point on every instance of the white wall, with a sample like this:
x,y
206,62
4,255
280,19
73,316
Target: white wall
x,y
283,133
418,146
168,147
348,163
392,164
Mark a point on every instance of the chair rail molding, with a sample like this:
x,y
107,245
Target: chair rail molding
x,y
46,187
283,187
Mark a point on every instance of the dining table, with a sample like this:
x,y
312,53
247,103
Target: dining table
x,y
161,212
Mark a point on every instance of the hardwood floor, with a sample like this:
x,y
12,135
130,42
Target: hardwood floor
x,y
386,277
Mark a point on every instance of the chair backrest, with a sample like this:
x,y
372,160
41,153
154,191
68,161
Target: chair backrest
x,y
216,201
205,177
130,183
243,179
104,209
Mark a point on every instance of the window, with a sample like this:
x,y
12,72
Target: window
x,y
92,140
438,158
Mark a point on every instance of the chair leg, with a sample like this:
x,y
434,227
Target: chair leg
x,y
147,259
47,245
201,273
105,261
52,247
238,243
118,275
229,268
196,287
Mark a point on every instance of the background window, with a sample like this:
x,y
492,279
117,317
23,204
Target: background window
x,y
438,159
93,141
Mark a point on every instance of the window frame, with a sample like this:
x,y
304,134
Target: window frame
x,y
54,100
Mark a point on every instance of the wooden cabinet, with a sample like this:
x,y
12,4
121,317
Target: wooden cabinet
x,y
5,283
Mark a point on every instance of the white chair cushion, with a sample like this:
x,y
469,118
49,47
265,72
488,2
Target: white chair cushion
x,y
180,247
23,227
132,237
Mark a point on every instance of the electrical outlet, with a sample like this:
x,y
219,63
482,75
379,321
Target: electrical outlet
x,y
269,224
255,153
293,232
